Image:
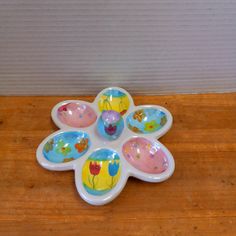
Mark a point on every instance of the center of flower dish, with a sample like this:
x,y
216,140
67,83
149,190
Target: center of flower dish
x,y
110,125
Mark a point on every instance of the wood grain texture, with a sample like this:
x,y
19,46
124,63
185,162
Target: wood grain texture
x,y
199,199
146,46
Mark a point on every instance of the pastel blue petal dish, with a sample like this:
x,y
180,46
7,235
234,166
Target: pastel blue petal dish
x,y
146,120
64,146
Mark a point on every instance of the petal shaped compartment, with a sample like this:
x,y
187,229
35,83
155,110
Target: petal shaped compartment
x,y
146,120
76,114
114,99
145,155
101,172
66,146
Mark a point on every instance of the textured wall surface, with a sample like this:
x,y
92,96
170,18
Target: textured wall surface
x,y
146,46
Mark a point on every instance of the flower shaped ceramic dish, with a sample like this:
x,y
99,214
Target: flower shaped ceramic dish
x,y
107,141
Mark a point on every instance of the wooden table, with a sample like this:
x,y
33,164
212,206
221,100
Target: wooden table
x,y
199,199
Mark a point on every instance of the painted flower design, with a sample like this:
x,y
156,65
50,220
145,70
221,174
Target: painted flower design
x,y
139,115
82,145
63,108
113,168
134,128
68,159
123,112
94,168
63,148
151,126
163,120
111,129
49,145
102,165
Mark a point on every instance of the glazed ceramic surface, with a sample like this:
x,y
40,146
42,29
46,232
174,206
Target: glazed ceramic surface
x,y
77,115
114,99
110,125
146,120
145,155
107,141
101,172
66,146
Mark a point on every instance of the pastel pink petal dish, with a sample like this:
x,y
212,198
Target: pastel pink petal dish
x,y
77,115
104,153
145,155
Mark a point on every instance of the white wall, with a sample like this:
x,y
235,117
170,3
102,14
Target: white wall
x,y
146,46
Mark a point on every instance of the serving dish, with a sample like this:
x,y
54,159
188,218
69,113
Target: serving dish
x,y
107,141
